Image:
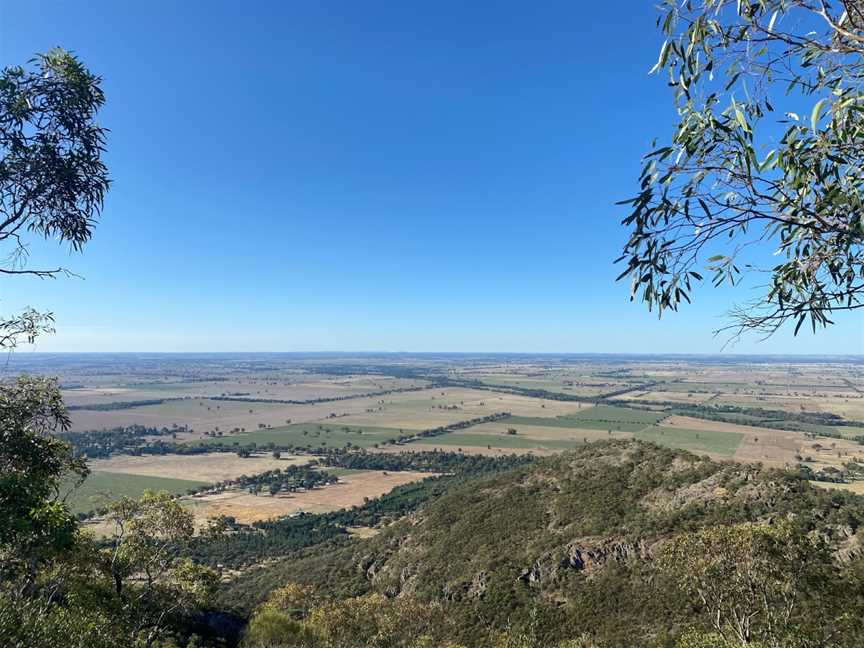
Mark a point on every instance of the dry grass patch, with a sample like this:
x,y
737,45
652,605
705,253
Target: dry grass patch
x,y
363,532
851,407
211,467
775,448
351,490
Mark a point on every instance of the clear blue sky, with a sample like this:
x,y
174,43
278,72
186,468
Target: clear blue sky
x,y
365,176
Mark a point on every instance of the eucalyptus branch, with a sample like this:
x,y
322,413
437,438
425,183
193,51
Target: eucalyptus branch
x,y
706,196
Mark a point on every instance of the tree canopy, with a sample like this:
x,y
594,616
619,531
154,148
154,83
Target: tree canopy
x,y
764,174
52,176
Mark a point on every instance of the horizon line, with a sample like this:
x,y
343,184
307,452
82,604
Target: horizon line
x,y
13,353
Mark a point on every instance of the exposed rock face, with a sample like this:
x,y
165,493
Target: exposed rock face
x,y
370,566
366,566
584,556
479,585
588,558
847,541
541,571
373,566
405,575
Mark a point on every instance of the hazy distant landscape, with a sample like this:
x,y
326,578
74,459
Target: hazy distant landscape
x,y
804,414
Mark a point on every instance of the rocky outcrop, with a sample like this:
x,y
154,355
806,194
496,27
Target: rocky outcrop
x,y
587,558
583,556
473,589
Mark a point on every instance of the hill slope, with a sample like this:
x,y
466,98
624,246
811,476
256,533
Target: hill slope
x,y
568,545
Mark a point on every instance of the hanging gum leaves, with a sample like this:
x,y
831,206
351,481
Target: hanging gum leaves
x,y
744,177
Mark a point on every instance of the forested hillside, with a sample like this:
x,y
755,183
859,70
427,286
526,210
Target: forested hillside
x,y
606,543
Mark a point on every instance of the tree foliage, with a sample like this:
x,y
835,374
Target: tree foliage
x,y
134,589
754,582
34,521
143,560
52,176
767,157
297,616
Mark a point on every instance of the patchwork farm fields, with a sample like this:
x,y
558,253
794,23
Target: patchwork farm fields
x,y
184,424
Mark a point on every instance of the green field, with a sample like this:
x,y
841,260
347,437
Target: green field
x,y
338,471
622,414
845,431
544,421
740,418
723,443
102,487
468,439
312,435
640,423
526,383
601,417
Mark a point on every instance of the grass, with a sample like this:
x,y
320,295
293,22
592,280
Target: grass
x,y
699,441
468,439
103,487
722,443
601,417
526,383
854,487
739,418
314,435
622,414
845,431
543,421
209,408
342,472
640,423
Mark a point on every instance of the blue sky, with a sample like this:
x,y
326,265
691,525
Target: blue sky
x,y
294,176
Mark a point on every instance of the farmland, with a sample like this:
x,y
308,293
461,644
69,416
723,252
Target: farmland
x,y
781,413
311,435
352,489
537,433
102,487
211,467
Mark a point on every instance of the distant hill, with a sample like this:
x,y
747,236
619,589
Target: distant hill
x,y
568,546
